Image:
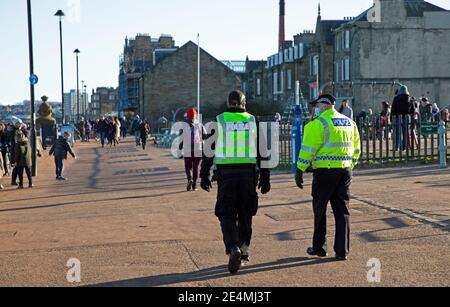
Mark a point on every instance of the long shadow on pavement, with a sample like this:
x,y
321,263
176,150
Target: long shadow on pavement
x,y
213,273
87,202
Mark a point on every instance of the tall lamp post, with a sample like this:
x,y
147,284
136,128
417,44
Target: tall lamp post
x,y
33,127
77,52
61,14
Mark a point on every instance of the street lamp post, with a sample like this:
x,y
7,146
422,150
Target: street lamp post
x,y
33,127
77,52
61,14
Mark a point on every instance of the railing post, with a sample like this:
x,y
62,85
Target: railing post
x,y
442,144
380,135
367,135
432,142
408,137
388,139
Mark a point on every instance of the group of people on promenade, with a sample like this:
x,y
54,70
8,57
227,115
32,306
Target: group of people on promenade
x,y
15,158
109,131
16,153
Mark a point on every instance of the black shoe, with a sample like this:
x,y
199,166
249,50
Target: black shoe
x,y
14,184
20,187
235,260
312,252
189,185
341,258
194,187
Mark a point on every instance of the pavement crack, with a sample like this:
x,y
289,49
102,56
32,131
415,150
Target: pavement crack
x,y
421,218
191,257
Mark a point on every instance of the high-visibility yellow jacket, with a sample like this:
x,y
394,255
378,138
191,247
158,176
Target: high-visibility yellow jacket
x,y
330,141
237,139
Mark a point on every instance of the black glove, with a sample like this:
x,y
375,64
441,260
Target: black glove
x,y
215,176
299,179
264,183
206,184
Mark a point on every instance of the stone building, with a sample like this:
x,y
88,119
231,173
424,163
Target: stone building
x,y
104,100
139,56
171,85
394,42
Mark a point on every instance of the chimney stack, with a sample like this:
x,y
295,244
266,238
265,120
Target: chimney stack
x,y
281,37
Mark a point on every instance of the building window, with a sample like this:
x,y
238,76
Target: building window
x,y
337,72
313,65
282,81
275,82
346,39
258,87
244,87
338,41
346,69
289,79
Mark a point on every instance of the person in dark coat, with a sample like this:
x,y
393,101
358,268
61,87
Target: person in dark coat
x,y
102,130
22,159
13,130
144,130
60,150
401,107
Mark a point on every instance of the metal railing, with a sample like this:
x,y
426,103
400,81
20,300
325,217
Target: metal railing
x,y
403,139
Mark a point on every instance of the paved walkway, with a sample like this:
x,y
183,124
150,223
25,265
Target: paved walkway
x,y
125,215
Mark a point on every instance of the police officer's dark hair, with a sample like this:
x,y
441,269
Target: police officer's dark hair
x,y
236,98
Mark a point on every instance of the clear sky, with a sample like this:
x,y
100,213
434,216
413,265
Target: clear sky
x,y
229,29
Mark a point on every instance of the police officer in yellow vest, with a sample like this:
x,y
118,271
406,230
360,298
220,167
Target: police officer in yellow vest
x,y
331,145
237,161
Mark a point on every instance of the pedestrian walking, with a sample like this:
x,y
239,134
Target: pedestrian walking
x,y
331,146
192,147
2,172
346,110
13,130
4,150
436,112
123,127
23,159
60,151
136,129
117,128
400,110
144,132
102,130
237,198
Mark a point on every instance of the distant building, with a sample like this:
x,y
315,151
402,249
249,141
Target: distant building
x,y
104,101
71,109
401,41
139,56
171,85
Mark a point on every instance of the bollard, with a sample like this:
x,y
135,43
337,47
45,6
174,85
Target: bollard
x,y
442,144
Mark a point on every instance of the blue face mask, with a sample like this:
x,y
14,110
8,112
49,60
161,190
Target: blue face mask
x,y
317,112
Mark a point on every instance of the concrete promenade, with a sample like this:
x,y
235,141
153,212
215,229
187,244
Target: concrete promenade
x,y
125,214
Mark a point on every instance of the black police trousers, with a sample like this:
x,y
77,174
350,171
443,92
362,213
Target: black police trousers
x,y
332,185
237,204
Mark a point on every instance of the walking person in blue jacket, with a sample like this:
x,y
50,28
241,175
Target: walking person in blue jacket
x,y
60,150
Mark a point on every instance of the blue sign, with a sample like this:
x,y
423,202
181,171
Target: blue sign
x,y
34,79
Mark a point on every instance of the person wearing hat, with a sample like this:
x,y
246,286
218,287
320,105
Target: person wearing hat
x,y
192,147
331,146
22,159
237,160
